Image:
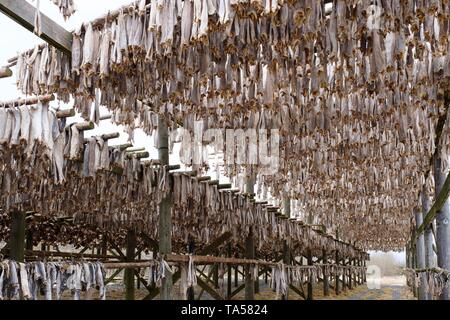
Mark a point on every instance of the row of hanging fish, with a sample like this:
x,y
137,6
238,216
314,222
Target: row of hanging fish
x,y
48,280
130,198
435,282
284,275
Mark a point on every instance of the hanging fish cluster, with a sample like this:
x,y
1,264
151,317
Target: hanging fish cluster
x,y
66,7
283,275
28,281
355,92
435,281
94,193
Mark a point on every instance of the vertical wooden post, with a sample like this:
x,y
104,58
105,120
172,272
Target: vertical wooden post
x,y
191,249
236,275
249,254
420,252
257,278
287,261
364,273
326,284
129,273
229,272
428,234
336,278
249,248
344,280
286,251
17,236
216,275
414,266
428,238
29,240
310,283
165,218
442,222
266,275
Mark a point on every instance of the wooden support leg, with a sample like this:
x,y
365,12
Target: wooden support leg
x,y
420,251
266,276
286,260
336,278
257,281
165,219
236,276
129,273
249,254
350,280
17,237
216,275
191,291
442,222
229,272
29,241
326,284
310,283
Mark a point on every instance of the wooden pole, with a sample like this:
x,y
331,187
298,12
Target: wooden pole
x,y
364,273
326,284
165,218
428,238
17,236
191,249
442,223
236,276
216,275
129,273
428,234
249,254
229,287
287,261
344,276
249,248
29,241
336,278
310,283
420,252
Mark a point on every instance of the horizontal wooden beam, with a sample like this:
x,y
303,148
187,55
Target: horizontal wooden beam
x,y
438,204
27,101
23,13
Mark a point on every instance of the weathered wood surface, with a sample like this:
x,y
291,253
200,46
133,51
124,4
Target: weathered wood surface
x,y
5,72
17,236
23,13
27,101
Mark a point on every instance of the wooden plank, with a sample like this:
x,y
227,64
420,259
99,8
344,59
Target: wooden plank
x,y
23,13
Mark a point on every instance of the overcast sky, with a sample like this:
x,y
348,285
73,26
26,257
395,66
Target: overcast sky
x,y
16,39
